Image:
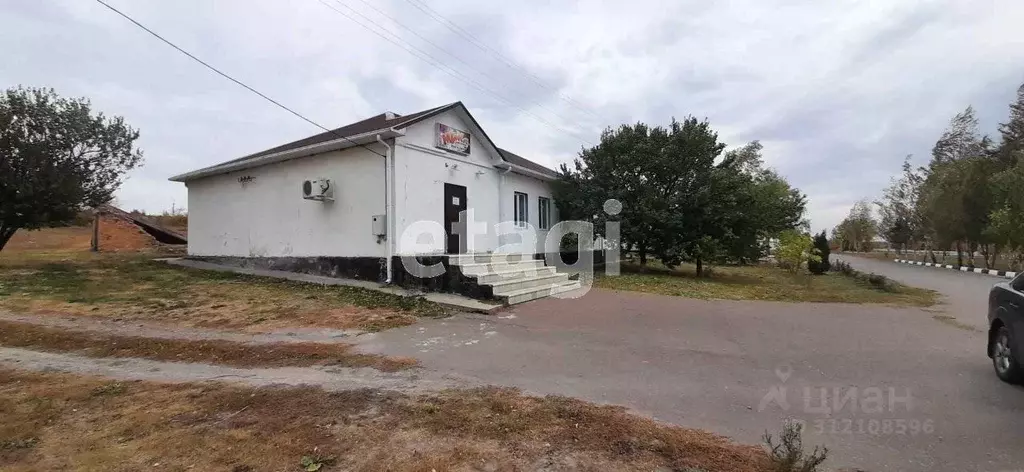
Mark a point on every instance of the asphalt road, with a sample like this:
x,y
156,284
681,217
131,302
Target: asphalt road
x,y
964,294
901,390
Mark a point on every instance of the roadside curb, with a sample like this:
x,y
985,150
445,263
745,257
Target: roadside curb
x,y
976,270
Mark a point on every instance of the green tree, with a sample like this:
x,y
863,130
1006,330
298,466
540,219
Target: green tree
x,y
762,204
747,159
1006,215
693,200
818,263
683,200
900,222
1012,132
56,158
794,249
1006,222
858,229
619,167
955,198
960,140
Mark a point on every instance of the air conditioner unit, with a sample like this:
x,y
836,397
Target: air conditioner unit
x,y
320,190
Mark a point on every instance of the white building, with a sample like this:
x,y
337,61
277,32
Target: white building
x,y
389,175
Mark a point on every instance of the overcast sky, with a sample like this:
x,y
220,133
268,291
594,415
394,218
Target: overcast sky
x,y
838,91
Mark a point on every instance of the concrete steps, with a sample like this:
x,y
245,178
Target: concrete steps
x,y
489,258
533,293
512,277
508,286
478,268
490,278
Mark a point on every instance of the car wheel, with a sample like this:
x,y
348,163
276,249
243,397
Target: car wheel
x,y
1004,359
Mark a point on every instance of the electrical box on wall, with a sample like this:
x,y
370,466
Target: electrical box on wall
x,y
380,227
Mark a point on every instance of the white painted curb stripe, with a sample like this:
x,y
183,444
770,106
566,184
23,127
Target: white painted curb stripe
x,y
976,270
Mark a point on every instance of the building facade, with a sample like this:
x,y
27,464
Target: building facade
x,y
398,186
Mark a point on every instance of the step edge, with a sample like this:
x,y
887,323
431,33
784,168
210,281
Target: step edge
x,y
526,279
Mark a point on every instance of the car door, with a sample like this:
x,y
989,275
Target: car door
x,y
1012,302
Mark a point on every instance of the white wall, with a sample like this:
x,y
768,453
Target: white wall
x,y
268,217
421,172
533,188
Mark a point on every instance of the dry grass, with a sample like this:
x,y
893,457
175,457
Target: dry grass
x,y
208,352
760,282
67,239
133,287
65,422
116,235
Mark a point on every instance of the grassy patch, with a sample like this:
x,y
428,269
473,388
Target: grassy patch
x,y
760,282
208,352
135,287
57,422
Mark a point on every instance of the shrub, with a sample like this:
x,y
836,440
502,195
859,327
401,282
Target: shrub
x,y
821,264
843,267
788,455
880,282
794,248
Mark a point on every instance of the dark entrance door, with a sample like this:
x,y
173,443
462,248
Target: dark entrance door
x,y
454,203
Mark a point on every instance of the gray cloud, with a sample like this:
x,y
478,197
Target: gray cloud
x,y
837,91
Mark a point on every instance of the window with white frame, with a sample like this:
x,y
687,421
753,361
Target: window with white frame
x,y
520,211
544,213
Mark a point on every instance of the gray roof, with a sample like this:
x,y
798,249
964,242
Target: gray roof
x,y
521,161
377,123
373,123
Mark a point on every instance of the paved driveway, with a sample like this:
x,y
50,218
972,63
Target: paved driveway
x,y
726,366
965,294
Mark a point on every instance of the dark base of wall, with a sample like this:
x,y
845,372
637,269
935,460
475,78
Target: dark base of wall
x,y
451,279
361,268
446,278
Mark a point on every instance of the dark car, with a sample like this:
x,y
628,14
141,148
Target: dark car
x,y
1006,329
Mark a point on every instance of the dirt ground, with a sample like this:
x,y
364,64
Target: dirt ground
x,y
86,399
95,343
69,239
116,235
61,422
116,362
134,287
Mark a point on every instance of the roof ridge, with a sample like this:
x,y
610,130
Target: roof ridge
x,y
376,123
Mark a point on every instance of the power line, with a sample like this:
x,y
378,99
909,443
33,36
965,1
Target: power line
x,y
501,57
438,47
437,63
226,76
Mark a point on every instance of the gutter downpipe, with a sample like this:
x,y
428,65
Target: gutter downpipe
x,y
389,213
501,190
